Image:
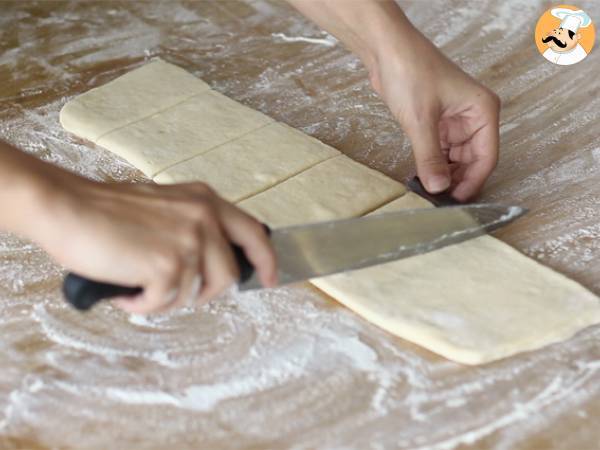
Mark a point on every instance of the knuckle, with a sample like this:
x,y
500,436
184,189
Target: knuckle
x,y
492,99
189,231
202,211
168,264
190,244
256,228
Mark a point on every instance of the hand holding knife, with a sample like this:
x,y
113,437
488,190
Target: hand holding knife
x,y
315,250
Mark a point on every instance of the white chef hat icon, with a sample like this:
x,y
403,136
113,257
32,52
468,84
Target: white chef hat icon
x,y
571,20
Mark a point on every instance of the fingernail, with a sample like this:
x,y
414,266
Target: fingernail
x,y
437,183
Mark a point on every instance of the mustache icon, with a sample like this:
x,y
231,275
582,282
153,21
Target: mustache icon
x,y
556,41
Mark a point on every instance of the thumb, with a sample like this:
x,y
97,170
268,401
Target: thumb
x,y
432,165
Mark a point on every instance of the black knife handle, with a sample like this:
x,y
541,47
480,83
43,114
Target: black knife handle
x,y
441,199
83,293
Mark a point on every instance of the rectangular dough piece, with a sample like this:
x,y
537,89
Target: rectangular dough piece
x,y
474,302
252,163
334,189
187,129
131,97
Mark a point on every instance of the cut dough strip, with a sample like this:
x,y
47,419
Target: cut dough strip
x,y
473,303
252,163
335,189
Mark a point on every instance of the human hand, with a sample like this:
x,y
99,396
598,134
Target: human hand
x,y
165,239
451,119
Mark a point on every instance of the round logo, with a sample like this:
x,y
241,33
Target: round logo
x,y
565,35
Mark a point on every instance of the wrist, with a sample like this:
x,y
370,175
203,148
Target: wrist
x,y
396,46
30,202
407,61
30,190
53,199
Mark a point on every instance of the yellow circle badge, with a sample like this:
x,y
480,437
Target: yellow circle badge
x,y
565,35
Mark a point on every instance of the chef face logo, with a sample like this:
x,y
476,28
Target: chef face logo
x,y
565,35
561,40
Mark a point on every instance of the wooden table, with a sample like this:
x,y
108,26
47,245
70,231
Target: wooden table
x,y
291,368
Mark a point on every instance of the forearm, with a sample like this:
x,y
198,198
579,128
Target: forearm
x,y
24,186
369,28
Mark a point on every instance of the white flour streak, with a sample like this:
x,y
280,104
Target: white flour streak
x,y
328,41
553,393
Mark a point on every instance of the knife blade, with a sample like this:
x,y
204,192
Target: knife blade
x,y
325,248
315,250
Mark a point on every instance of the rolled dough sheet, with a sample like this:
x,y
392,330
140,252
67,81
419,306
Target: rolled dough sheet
x,y
334,189
131,97
189,128
252,163
473,303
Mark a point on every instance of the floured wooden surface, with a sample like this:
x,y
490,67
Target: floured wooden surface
x,y
348,384
472,303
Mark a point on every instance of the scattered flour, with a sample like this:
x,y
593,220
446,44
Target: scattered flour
x,y
328,41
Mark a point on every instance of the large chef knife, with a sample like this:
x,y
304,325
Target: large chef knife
x,y
315,250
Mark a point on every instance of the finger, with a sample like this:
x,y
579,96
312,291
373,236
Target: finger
x,y
150,301
454,130
129,304
446,153
189,288
472,180
484,152
462,154
220,269
456,153
187,300
250,234
457,172
161,284
432,166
